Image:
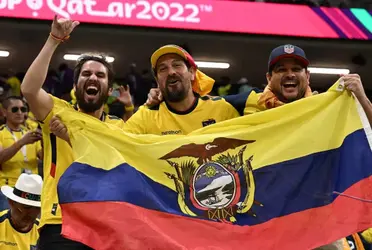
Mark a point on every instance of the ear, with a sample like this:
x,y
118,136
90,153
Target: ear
x,y
268,77
74,87
3,112
193,73
308,76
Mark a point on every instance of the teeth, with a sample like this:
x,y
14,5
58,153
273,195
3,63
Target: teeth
x,y
92,87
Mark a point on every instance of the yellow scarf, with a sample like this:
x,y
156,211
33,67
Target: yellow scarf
x,y
270,100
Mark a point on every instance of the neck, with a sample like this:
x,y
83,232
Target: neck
x,y
97,114
13,126
184,105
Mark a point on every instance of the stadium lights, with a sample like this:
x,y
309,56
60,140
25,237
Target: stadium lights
x,y
74,57
328,71
4,53
212,65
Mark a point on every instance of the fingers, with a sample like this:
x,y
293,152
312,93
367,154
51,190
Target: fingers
x,y
55,19
74,24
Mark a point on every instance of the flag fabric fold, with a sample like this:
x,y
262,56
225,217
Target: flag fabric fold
x,y
294,177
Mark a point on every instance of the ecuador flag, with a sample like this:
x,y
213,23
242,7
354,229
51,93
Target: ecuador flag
x,y
294,177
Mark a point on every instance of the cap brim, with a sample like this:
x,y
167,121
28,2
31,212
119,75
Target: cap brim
x,y
8,192
163,51
304,61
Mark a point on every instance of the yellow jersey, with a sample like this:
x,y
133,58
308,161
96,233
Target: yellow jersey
x,y
58,157
24,161
163,120
11,239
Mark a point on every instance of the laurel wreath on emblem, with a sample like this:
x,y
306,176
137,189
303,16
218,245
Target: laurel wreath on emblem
x,y
217,185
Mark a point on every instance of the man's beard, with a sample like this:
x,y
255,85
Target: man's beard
x,y
89,107
174,96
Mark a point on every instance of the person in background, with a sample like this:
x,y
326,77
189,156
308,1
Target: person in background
x,y
20,148
18,225
14,83
66,82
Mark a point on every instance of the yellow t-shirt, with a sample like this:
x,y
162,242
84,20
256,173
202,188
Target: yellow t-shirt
x,y
15,166
11,239
162,120
58,157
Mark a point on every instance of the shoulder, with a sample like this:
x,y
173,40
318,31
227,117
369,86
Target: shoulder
x,y
59,103
240,101
3,215
114,120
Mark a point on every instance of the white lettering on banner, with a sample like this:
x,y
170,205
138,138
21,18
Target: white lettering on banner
x,y
35,4
58,9
3,4
10,4
141,9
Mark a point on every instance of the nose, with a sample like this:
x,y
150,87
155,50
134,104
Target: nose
x,y
93,77
290,74
171,71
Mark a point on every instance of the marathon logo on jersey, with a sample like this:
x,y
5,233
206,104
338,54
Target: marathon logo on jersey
x,y
8,243
289,49
208,122
171,132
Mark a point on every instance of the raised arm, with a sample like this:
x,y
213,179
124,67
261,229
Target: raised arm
x,y
40,102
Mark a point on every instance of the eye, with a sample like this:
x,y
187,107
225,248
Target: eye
x,y
101,75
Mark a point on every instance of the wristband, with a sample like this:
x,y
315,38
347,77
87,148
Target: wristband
x,y
129,108
59,39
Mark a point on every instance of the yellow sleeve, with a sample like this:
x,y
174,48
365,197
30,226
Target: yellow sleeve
x,y
367,235
136,124
58,104
251,104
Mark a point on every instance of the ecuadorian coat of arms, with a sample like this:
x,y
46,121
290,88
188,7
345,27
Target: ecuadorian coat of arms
x,y
214,180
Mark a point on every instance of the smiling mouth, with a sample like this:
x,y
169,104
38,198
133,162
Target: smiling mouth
x,y
289,85
172,82
91,91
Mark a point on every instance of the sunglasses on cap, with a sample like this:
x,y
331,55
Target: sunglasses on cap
x,y
15,109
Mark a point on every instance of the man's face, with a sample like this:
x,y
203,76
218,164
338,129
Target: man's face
x,y
16,111
92,88
173,77
289,80
23,216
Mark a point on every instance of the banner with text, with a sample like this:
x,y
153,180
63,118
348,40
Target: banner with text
x,y
205,15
